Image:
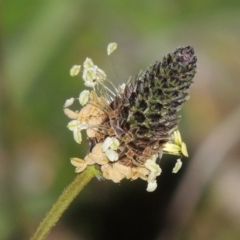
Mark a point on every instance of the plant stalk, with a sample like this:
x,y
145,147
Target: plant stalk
x,y
64,201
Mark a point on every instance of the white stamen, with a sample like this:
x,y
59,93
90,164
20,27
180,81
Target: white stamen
x,y
153,167
111,48
68,102
111,155
115,144
106,144
177,166
152,186
77,135
88,63
74,71
84,97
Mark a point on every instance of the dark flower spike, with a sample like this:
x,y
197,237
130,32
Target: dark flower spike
x,y
128,130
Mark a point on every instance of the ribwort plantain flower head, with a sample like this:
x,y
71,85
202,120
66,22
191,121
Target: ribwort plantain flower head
x,y
130,127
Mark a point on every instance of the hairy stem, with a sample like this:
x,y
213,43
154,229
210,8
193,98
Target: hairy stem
x,y
64,201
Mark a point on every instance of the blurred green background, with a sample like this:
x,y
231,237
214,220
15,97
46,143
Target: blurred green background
x,y
41,40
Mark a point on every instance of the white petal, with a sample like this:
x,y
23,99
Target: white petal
x,y
73,125
84,97
68,102
111,155
111,48
177,166
106,144
77,135
74,71
152,186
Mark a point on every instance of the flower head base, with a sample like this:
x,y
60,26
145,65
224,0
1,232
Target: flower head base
x,y
129,129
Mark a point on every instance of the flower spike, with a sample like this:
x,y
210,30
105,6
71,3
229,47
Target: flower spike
x,y
130,128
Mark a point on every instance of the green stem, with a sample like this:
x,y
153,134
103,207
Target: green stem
x,y
64,201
